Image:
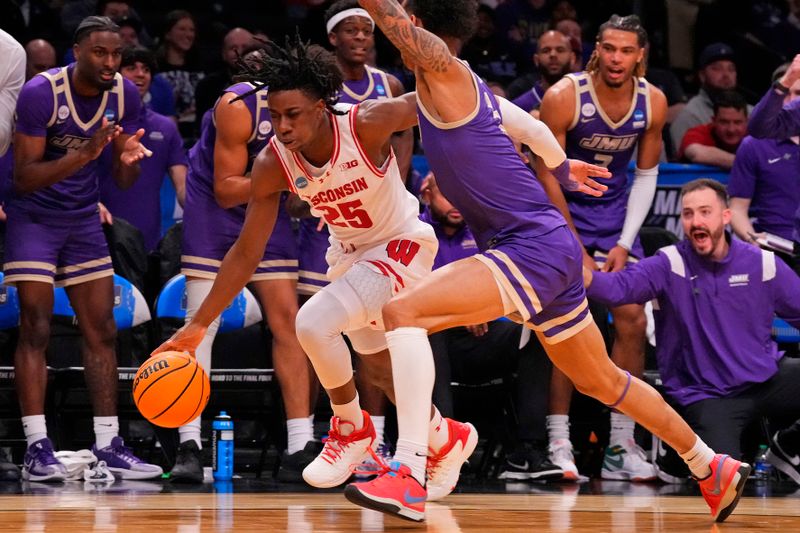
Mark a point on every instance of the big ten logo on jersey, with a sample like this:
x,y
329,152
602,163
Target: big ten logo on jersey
x,y
609,143
348,165
666,211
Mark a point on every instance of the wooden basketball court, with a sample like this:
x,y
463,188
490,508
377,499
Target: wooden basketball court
x,y
77,508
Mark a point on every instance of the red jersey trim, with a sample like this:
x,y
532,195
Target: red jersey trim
x,y
360,148
286,173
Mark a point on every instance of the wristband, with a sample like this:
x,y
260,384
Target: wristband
x,y
780,88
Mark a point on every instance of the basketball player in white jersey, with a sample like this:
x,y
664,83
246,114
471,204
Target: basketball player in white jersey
x,y
341,163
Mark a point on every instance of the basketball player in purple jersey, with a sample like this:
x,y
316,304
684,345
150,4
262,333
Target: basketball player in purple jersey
x,y
66,116
606,115
217,191
530,267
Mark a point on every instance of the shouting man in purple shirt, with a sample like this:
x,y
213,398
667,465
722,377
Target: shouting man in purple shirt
x,y
714,299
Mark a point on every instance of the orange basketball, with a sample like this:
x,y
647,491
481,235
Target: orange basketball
x,y
171,389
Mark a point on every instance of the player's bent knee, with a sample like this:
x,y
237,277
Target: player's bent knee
x,y
631,321
34,331
397,313
605,387
102,333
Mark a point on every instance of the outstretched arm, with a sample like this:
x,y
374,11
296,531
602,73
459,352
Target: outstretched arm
x,y
242,259
419,47
378,120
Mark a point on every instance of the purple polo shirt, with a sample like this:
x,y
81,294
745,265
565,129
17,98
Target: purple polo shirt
x,y
766,171
140,204
713,319
770,119
453,247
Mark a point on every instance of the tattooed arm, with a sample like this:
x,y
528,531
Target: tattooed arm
x,y
420,48
445,86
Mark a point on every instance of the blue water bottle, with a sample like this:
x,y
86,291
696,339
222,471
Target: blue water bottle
x,y
222,447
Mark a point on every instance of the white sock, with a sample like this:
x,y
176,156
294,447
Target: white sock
x,y
34,427
413,376
311,421
349,412
105,429
622,428
191,431
298,432
438,431
380,423
698,459
558,427
196,292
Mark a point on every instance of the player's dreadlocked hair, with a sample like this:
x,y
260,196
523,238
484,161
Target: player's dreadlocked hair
x,y
298,66
630,23
457,19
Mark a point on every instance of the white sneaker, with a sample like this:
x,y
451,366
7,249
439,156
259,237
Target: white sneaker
x,y
561,456
627,462
444,466
341,454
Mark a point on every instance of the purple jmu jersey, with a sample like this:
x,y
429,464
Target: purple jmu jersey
x,y
201,155
459,245
713,319
141,203
594,138
373,86
530,99
480,172
49,107
765,171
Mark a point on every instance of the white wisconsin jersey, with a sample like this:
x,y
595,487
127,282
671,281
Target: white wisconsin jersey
x,y
363,205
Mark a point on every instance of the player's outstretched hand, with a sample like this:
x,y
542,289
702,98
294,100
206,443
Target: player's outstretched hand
x,y
581,173
134,151
186,339
792,74
101,137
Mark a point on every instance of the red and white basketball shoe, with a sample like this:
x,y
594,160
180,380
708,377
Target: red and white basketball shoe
x,y
444,466
723,487
394,492
341,454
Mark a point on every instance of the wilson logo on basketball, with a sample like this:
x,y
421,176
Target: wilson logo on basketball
x,y
149,371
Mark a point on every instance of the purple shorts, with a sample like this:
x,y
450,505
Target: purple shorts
x,y
312,245
55,249
209,231
542,280
600,224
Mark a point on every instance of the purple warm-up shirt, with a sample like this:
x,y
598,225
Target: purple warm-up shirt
x,y
713,319
766,172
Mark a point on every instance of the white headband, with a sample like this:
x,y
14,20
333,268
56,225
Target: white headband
x,y
341,15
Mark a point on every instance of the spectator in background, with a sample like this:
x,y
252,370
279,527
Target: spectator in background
x,y
178,63
554,58
519,25
582,49
763,182
40,56
716,143
140,203
717,73
486,52
234,45
31,19
478,353
723,369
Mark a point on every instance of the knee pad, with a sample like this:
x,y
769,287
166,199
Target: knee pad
x,y
363,293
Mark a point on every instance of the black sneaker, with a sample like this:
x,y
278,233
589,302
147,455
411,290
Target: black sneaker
x,y
188,464
8,470
291,469
529,462
670,468
782,460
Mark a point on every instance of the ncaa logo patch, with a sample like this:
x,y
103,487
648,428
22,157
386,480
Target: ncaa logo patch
x,y
265,127
588,109
110,115
381,90
638,115
63,112
300,182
